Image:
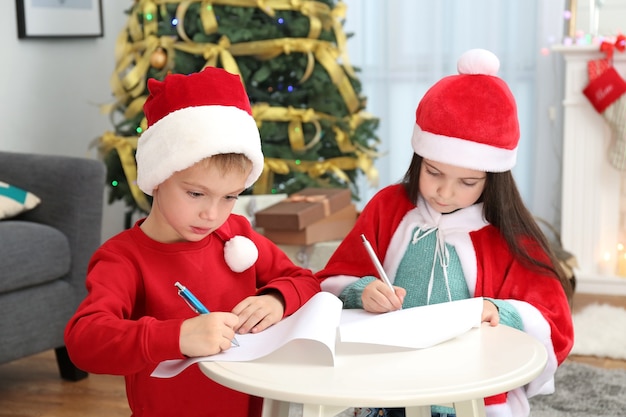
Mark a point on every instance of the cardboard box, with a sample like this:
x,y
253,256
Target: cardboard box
x,y
248,205
303,208
334,227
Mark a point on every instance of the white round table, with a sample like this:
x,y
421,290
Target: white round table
x,y
460,372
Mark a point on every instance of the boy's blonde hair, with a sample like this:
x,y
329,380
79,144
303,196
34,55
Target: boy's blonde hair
x,y
228,162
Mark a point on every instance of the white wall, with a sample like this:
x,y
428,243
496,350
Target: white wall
x,y
50,91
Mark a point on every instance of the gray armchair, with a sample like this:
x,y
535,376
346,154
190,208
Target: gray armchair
x,y
44,252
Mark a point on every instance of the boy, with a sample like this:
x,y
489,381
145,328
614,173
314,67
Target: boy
x,y
200,151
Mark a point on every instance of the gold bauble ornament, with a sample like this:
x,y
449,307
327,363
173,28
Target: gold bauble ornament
x,y
158,59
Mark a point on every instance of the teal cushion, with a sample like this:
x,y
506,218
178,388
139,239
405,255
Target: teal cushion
x,y
14,200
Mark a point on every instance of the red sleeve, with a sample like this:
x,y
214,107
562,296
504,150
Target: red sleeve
x,y
103,332
378,222
501,276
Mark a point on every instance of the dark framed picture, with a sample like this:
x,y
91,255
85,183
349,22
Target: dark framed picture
x,y
59,18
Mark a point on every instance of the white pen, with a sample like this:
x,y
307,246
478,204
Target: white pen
x,y
376,262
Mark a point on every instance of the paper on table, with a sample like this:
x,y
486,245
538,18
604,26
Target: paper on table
x,y
313,328
417,327
316,320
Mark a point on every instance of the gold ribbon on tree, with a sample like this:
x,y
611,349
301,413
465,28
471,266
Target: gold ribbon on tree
x,y
207,18
320,15
130,72
314,169
125,147
211,52
364,157
296,117
324,52
145,43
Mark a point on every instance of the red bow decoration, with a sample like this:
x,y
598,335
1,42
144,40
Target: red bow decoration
x,y
608,47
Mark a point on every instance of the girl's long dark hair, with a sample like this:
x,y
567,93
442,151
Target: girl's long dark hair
x,y
503,208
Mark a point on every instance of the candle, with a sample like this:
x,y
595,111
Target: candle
x,y
621,265
607,266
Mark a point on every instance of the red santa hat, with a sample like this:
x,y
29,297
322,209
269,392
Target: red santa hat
x,y
469,120
191,117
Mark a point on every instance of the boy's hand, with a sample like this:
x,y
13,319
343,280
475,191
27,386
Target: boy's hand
x,y
490,314
207,334
377,297
259,312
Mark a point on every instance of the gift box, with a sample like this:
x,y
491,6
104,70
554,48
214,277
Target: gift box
x,y
248,205
333,227
303,208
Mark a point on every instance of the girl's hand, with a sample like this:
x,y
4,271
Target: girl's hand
x,y
377,297
490,314
259,312
207,334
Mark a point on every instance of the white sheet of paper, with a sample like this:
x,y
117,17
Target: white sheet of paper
x,y
417,327
316,320
314,328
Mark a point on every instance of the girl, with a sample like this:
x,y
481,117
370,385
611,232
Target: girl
x,y
456,227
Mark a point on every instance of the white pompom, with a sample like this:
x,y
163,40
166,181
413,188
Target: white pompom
x,y
478,61
240,253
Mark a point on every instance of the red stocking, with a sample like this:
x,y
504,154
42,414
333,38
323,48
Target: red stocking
x,y
607,92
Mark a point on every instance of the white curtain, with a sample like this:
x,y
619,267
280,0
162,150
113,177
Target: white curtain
x,y
402,47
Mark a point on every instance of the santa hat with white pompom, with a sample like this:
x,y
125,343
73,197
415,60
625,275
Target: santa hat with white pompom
x,y
192,117
470,119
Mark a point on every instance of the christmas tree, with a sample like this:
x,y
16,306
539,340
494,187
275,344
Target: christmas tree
x,y
292,58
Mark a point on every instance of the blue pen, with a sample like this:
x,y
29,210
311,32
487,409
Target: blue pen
x,y
194,303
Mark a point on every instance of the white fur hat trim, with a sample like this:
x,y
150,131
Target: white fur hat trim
x,y
186,136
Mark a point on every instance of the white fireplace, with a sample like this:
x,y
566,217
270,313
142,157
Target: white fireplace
x,y
592,195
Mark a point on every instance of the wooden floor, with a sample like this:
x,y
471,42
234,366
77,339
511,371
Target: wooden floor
x,y
31,387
